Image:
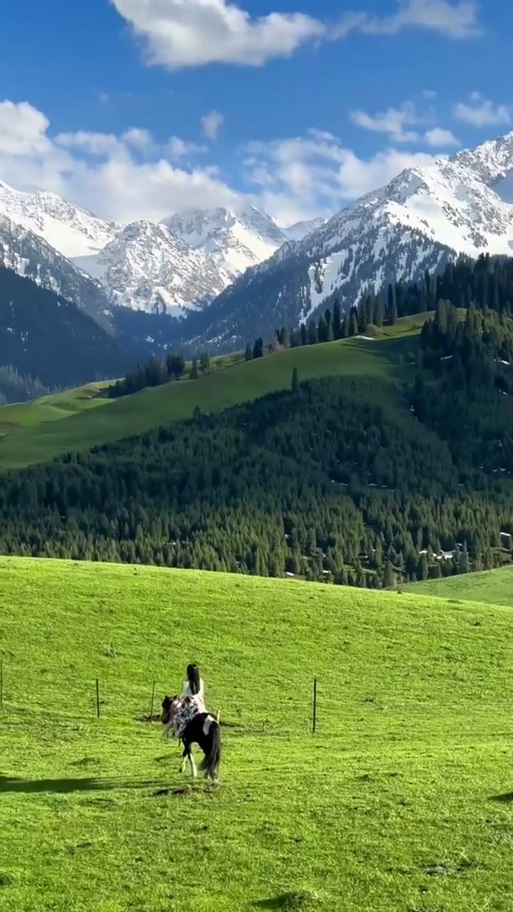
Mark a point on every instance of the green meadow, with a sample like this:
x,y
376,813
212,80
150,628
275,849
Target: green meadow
x,y
400,802
493,586
79,419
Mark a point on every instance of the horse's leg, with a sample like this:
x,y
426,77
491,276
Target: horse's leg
x,y
185,756
194,770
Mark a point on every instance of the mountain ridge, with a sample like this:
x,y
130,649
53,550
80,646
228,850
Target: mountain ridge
x,y
181,263
422,218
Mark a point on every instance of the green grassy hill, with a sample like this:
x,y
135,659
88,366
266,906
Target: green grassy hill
x,y
401,801
79,419
494,587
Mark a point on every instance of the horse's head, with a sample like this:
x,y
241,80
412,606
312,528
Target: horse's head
x,y
169,707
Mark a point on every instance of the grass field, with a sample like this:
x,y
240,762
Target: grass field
x,y
494,587
77,420
401,802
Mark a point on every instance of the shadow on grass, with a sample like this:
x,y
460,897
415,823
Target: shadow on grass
x,y
289,901
63,786
503,799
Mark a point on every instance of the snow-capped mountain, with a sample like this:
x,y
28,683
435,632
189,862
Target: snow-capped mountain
x,y
234,239
422,218
32,257
73,232
299,230
180,264
146,268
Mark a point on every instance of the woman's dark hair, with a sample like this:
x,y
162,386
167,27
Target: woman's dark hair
x,y
193,677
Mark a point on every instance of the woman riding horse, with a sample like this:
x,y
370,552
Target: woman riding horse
x,y
193,687
187,718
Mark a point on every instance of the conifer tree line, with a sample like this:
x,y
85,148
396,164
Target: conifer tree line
x,y
464,384
485,283
316,481
16,387
156,372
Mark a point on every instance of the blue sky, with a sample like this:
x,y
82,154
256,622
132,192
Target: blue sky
x,y
136,108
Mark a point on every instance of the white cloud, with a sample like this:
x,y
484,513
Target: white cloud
x,y
455,20
181,33
22,129
396,121
179,148
125,177
211,124
90,143
437,137
481,112
392,121
196,32
305,176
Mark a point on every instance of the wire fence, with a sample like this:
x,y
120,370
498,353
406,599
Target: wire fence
x,y
67,696
64,693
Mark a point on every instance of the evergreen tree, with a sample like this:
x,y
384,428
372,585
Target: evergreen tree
x,y
154,373
175,365
336,319
194,370
295,381
322,330
379,318
248,355
391,305
304,334
258,348
389,576
312,333
353,323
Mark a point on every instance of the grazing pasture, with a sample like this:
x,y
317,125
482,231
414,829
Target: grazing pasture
x,y
492,586
79,419
401,802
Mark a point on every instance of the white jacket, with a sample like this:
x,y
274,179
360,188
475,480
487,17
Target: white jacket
x,y
186,692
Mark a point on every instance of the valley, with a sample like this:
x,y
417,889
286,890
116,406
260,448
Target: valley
x,y
77,420
256,456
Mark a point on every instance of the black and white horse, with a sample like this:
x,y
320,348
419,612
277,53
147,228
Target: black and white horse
x,y
181,717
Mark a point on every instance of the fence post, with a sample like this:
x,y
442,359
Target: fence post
x,y
314,722
97,698
152,702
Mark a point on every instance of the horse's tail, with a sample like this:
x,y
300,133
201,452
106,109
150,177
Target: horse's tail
x,y
210,764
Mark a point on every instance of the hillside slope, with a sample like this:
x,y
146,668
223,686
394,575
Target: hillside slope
x,y
32,257
48,337
494,587
409,771
29,437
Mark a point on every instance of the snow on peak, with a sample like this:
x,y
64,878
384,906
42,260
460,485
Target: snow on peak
x,y
299,230
71,231
421,219
457,205
181,263
147,268
490,160
235,238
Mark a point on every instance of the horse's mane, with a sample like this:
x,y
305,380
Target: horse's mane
x,y
193,677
